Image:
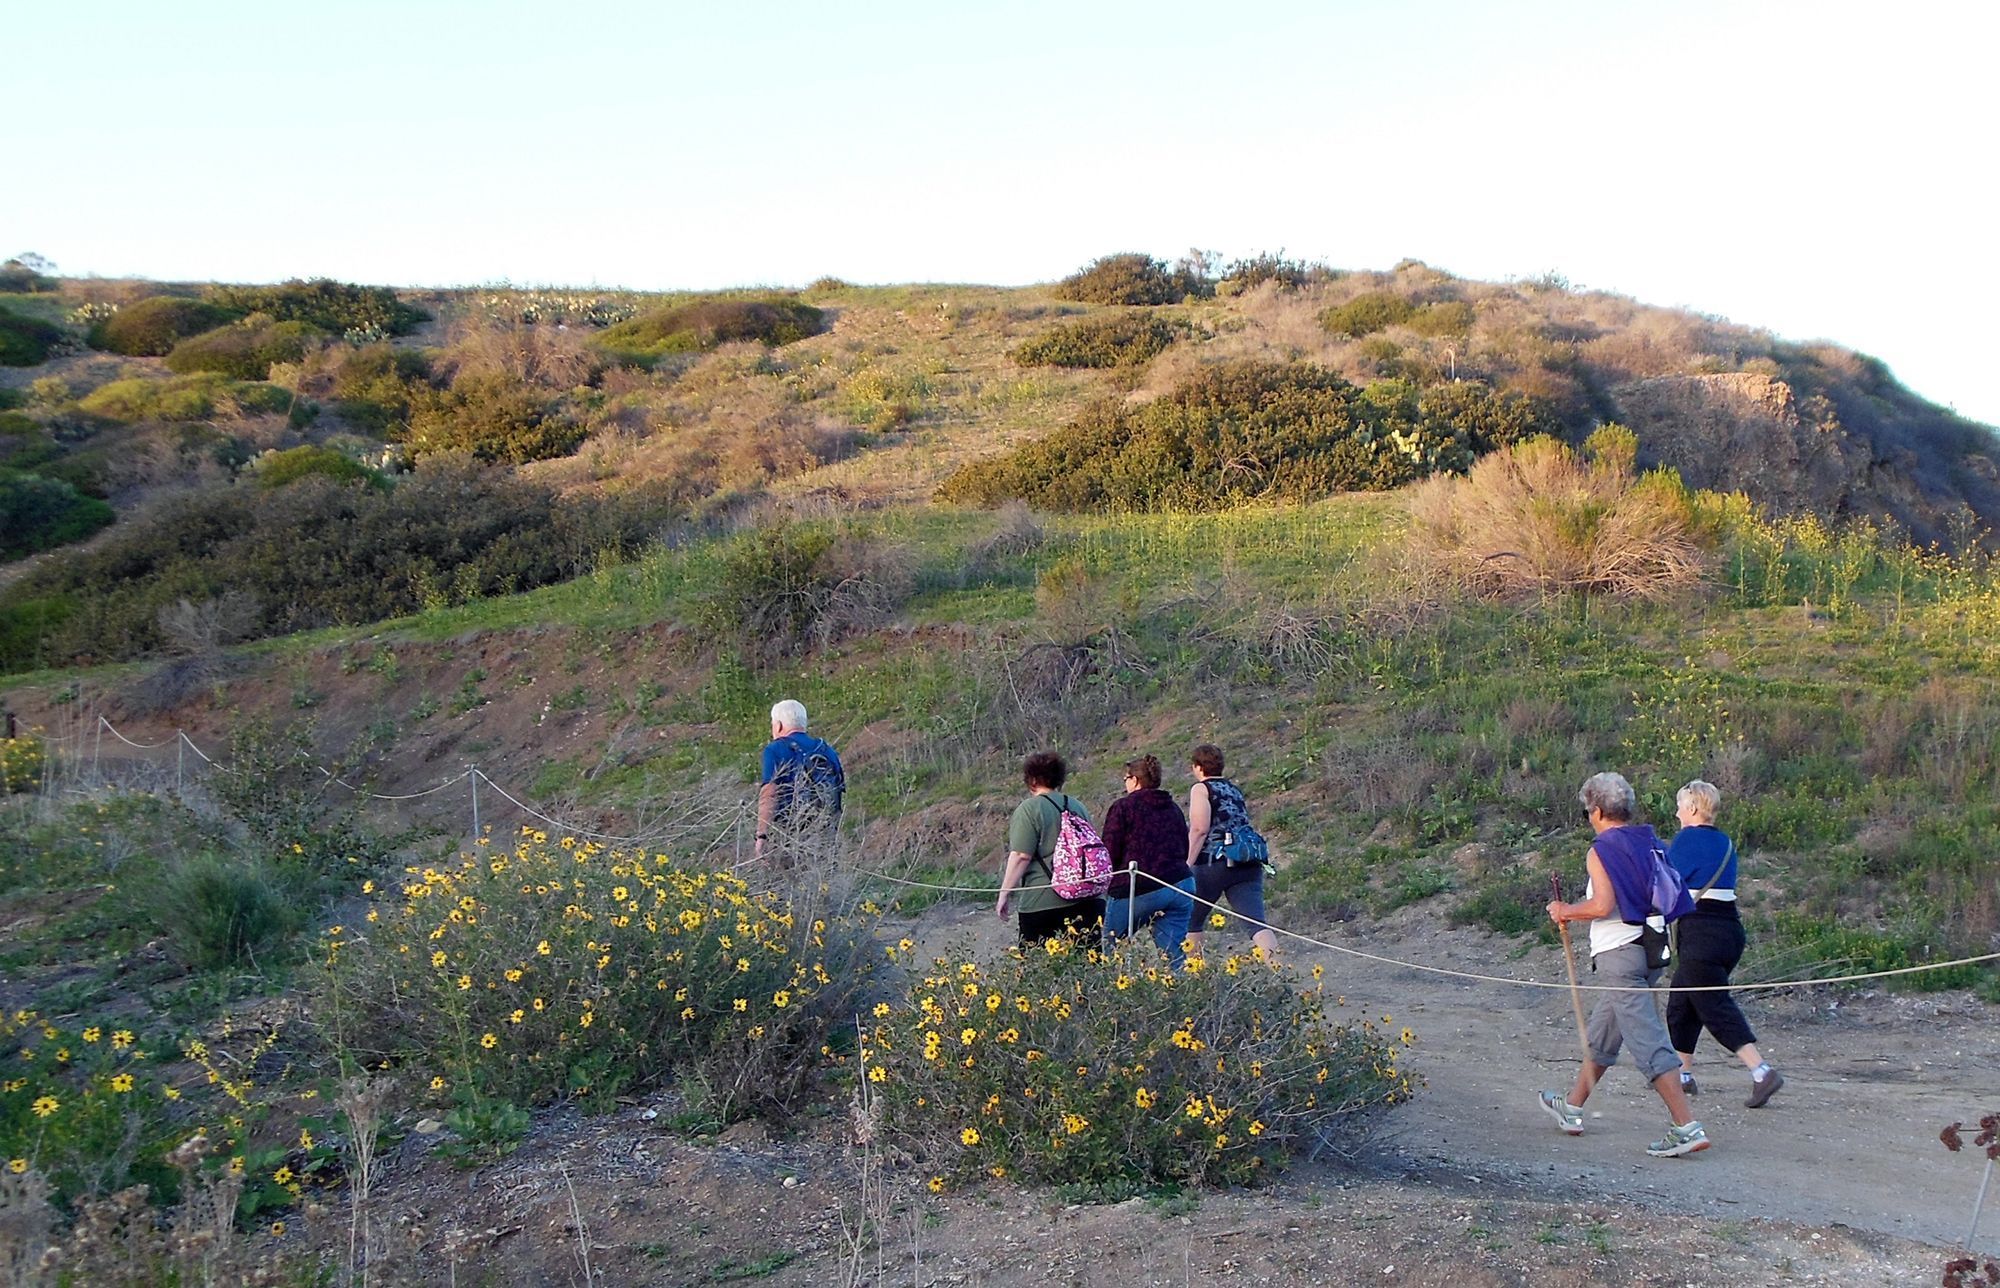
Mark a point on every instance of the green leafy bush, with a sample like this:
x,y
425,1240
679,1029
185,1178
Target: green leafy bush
x,y
224,912
203,396
703,324
330,306
1445,318
22,277
279,469
1131,278
1246,274
375,385
1240,431
1107,340
313,554
243,349
39,513
474,974
787,587
152,327
490,415
26,342
1114,1072
1366,314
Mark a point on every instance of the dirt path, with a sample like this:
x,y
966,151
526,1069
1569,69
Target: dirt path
x,y
1851,1141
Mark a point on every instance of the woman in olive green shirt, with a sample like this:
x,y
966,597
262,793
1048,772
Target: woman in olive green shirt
x,y
1031,840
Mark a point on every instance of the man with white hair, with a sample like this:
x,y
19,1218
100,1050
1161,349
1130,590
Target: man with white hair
x,y
802,782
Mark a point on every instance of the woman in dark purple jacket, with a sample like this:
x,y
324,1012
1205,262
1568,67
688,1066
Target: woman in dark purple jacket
x,y
1145,829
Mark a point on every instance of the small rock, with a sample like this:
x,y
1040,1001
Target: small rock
x,y
428,1127
791,1182
649,1115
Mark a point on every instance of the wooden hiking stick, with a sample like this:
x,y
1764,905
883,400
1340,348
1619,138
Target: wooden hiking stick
x,y
1575,993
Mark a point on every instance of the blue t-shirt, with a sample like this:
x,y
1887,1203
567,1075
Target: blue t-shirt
x,y
783,758
1699,852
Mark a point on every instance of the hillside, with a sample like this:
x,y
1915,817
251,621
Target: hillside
x,y
217,802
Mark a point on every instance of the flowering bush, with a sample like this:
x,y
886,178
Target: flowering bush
x,y
1067,1064
85,1107
20,764
562,969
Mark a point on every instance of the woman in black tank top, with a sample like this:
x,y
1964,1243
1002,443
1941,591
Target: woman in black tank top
x,y
1216,805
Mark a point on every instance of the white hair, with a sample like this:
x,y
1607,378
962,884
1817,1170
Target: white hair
x,y
1700,799
1610,795
791,713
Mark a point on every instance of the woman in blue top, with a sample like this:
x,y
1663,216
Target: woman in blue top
x,y
1711,943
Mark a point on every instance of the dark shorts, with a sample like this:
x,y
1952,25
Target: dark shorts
x,y
1081,918
1243,886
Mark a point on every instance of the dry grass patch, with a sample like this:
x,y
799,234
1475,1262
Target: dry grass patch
x,y
1538,517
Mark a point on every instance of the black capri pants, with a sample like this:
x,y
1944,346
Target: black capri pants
x,y
1711,943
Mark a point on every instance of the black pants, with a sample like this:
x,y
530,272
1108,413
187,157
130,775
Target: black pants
x,y
1711,943
1079,918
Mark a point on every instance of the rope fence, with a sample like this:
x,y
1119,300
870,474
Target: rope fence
x,y
475,776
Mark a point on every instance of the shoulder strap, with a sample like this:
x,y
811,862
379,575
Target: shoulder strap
x,y
1720,868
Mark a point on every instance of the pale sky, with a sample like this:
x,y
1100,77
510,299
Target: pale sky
x,y
1817,169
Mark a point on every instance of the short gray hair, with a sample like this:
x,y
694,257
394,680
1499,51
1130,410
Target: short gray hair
x,y
790,713
1610,795
1700,799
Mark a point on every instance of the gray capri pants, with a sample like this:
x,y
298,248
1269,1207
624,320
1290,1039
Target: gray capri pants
x,y
1629,1020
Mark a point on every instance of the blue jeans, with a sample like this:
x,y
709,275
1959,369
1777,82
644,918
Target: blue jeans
x,y
1170,909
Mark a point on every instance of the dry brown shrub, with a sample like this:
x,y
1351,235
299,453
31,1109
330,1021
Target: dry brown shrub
x,y
1381,777
551,357
1538,518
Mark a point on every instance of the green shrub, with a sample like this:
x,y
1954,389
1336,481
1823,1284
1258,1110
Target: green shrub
x,y
224,912
39,513
330,306
786,587
313,554
202,396
375,385
277,469
1447,318
1237,432
703,324
1107,340
1131,278
492,416
474,974
1112,1072
26,342
152,327
244,350
22,277
1366,314
1246,274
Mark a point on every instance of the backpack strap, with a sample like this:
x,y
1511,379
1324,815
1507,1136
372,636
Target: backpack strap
x,y
1720,868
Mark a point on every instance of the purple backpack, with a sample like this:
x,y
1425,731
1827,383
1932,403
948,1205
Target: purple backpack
x,y
1080,868
1669,891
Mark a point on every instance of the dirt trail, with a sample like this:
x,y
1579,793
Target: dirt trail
x,y
1851,1141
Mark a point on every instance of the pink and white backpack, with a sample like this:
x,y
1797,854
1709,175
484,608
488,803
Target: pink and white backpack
x,y
1080,868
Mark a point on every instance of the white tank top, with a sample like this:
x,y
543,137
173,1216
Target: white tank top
x,y
1607,933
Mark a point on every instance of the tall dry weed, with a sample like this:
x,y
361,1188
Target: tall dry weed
x,y
1539,518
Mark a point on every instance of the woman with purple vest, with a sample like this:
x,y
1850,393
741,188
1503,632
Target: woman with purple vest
x,y
1145,831
1617,903
1709,944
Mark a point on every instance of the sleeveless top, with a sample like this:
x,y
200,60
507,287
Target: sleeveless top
x,y
1227,812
